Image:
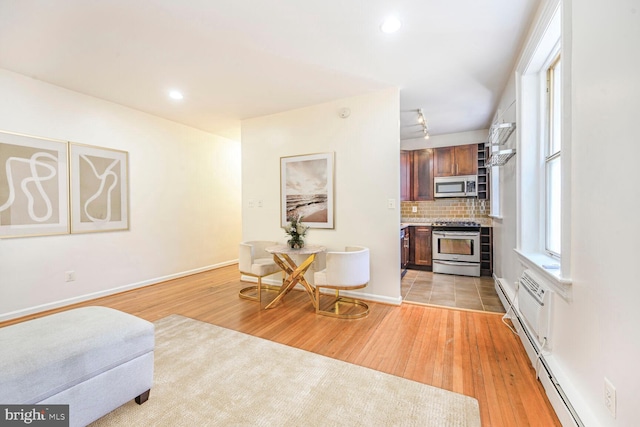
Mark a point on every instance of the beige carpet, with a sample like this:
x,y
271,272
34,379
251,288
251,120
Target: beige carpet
x,y
206,375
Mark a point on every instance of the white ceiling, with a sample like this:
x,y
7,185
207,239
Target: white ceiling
x,y
237,59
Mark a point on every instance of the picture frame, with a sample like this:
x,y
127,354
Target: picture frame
x,y
99,189
307,189
34,186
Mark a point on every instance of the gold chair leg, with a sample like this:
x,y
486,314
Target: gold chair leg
x,y
362,312
259,295
247,292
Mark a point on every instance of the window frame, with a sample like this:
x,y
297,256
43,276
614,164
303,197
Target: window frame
x,y
544,44
549,142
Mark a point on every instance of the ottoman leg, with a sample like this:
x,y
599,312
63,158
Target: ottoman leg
x,y
143,397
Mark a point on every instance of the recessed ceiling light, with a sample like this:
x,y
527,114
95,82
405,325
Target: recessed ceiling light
x,y
390,25
177,95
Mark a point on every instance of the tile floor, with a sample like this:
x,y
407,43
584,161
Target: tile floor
x,y
472,293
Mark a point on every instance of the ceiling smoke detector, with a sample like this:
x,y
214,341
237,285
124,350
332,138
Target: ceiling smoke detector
x,y
344,113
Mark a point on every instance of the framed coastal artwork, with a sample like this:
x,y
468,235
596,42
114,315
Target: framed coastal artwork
x,y
34,195
99,189
306,189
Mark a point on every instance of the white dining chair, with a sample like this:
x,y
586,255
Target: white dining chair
x,y
344,271
254,261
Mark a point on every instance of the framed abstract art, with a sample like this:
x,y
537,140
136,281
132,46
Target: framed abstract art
x,y
34,195
99,189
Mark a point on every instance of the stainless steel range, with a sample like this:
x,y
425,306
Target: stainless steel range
x,y
456,247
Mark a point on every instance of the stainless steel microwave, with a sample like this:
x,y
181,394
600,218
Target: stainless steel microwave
x,y
455,186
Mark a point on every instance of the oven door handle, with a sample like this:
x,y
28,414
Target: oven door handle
x,y
439,261
456,233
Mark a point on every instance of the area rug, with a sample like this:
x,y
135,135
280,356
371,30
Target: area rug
x,y
206,375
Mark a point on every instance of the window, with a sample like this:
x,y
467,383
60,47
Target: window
x,y
553,165
544,153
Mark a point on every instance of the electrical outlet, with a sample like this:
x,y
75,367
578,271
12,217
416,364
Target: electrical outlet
x,y
610,397
414,209
391,203
259,203
69,276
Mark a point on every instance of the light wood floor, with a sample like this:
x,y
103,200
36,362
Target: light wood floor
x,y
463,351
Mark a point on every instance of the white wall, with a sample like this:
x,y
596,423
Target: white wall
x,y
595,334
367,175
184,201
598,333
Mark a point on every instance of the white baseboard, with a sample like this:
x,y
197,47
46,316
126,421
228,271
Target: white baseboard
x,y
94,295
553,387
564,399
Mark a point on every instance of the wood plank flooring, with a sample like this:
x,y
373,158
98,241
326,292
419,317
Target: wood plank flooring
x,y
466,352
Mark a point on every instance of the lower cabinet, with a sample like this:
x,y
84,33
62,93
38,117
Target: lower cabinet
x,y
420,246
404,247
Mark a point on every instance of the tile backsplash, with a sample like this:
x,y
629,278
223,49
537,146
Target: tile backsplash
x,y
454,208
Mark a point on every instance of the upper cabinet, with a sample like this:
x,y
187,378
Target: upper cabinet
x,y
416,175
422,184
418,167
456,160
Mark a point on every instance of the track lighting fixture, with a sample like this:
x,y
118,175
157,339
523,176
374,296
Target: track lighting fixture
x,y
423,122
422,130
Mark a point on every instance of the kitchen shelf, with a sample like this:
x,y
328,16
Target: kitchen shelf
x,y
483,176
499,133
486,251
500,158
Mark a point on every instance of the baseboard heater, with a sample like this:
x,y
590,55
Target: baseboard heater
x,y
535,312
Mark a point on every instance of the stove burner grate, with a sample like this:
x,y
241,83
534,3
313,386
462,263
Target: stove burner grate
x,y
456,224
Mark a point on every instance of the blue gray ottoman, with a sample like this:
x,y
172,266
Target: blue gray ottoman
x,y
94,359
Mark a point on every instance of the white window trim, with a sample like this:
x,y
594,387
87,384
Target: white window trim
x,y
541,49
495,192
546,156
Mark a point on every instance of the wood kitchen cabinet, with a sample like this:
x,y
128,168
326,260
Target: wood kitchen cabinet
x,y
418,167
422,177
456,160
420,246
404,247
416,175
406,160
